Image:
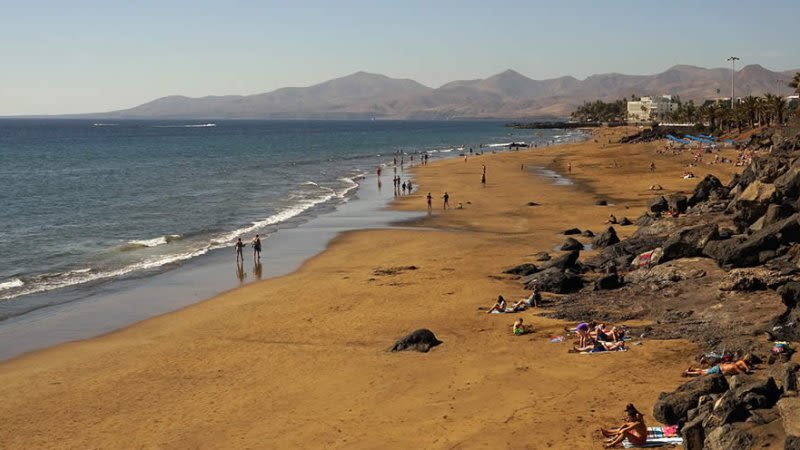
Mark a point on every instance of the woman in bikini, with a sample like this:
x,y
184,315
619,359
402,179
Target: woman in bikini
x,y
499,306
633,428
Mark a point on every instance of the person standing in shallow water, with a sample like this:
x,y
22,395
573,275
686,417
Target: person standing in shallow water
x,y
239,246
257,247
446,198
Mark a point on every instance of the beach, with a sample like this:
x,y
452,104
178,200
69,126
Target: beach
x,y
301,360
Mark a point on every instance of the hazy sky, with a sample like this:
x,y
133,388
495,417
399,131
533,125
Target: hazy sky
x,y
81,56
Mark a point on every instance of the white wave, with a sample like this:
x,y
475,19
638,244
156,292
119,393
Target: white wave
x,y
49,282
104,124
12,283
155,242
309,183
505,144
446,150
201,125
345,191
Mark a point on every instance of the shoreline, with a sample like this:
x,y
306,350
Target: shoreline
x,y
85,311
326,327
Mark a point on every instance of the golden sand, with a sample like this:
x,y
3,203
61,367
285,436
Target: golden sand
x,y
301,361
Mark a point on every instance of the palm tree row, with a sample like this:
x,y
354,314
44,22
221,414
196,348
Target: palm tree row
x,y
750,111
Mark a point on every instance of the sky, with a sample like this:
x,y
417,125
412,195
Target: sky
x,y
59,57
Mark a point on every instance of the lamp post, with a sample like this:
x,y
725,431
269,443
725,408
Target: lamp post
x,y
733,60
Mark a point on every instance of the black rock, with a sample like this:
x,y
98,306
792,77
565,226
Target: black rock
x,y
571,244
587,233
522,269
727,437
789,378
563,262
606,238
622,253
673,407
644,220
728,410
571,231
746,253
611,281
791,443
757,393
557,281
625,221
704,188
601,203
533,204
420,340
693,434
688,242
541,256
657,205
678,203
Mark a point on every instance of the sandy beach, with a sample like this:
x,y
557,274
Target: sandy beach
x,y
301,361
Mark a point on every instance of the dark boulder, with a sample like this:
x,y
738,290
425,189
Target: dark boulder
x,y
645,220
533,204
723,250
678,203
557,281
563,262
791,443
606,238
693,434
788,184
746,253
756,393
571,231
587,233
789,377
727,437
420,340
541,256
625,222
611,281
673,407
704,188
688,242
522,270
601,203
571,244
658,205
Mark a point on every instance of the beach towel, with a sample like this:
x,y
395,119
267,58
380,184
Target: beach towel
x,y
590,352
658,437
507,311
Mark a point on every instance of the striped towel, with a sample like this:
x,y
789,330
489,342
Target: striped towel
x,y
658,437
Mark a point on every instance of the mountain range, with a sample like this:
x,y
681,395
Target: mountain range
x,y
506,95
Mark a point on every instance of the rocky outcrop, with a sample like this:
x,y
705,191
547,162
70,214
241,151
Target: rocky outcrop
x,y
606,238
571,244
672,408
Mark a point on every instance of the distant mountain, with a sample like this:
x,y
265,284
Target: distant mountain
x,y
506,95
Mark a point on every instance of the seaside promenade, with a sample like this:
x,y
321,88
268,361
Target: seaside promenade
x,y
301,361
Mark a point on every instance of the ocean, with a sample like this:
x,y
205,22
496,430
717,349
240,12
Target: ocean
x,y
84,203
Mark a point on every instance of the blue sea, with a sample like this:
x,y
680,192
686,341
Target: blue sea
x,y
83,202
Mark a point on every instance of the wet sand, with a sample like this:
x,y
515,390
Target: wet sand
x,y
301,360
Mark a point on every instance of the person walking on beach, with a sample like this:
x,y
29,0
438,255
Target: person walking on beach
x,y
429,197
257,247
569,167
404,188
446,198
652,167
408,185
239,246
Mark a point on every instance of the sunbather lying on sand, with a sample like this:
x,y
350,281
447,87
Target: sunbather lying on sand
x,y
601,333
633,428
733,368
499,306
600,346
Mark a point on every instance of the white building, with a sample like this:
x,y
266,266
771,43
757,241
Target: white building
x,y
651,108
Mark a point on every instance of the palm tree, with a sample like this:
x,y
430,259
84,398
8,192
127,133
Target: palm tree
x,y
795,83
776,105
750,106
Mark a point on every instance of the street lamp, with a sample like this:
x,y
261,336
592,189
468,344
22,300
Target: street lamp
x,y
733,60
